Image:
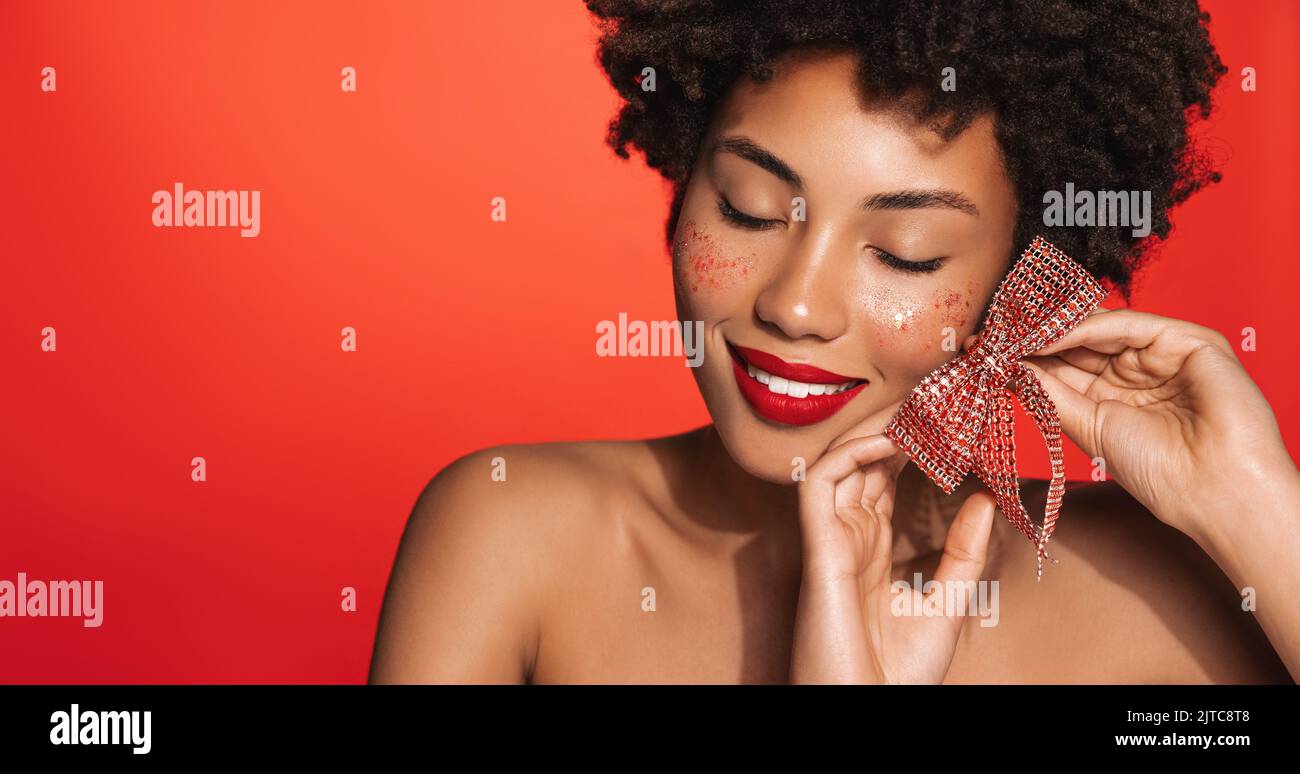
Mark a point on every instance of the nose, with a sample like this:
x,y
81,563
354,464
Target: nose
x,y
807,297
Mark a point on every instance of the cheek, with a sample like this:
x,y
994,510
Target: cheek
x,y
900,321
702,267
908,324
955,309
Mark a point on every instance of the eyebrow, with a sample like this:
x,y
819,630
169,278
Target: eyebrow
x,y
911,199
919,199
751,151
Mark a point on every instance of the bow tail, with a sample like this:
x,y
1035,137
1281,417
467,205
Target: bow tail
x,y
998,457
1033,396
996,464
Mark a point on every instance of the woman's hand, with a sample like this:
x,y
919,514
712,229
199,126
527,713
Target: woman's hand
x,y
1168,407
845,630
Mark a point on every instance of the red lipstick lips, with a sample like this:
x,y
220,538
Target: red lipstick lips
x,y
790,393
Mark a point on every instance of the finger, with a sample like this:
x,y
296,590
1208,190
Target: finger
x,y
1079,379
1112,332
836,464
871,529
880,476
885,502
825,485
1087,359
874,487
965,550
1078,412
848,491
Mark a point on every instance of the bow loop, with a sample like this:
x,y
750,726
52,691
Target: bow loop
x,y
960,418
940,423
993,361
1043,296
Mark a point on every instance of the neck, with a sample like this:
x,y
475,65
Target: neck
x,y
726,498
746,503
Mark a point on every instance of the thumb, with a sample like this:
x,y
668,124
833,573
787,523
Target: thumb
x,y
966,548
965,551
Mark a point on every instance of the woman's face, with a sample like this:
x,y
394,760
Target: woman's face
x,y
901,241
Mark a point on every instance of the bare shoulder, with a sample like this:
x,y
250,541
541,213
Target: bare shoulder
x,y
486,539
535,488
1143,599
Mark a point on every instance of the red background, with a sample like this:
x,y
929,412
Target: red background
x,y
175,343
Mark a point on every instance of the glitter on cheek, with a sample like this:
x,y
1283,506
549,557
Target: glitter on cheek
x,y
701,264
892,311
954,307
903,319
899,328
911,330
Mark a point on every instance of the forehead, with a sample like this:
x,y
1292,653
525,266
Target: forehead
x,y
814,115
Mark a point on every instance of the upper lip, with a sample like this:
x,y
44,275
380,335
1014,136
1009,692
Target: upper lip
x,y
798,372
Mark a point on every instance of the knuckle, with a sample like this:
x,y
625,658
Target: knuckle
x,y
961,555
1220,341
815,473
847,512
1206,335
1211,341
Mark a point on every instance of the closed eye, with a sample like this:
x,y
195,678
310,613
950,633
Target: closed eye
x,y
915,267
743,219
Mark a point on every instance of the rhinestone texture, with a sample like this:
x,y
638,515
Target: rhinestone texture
x,y
960,418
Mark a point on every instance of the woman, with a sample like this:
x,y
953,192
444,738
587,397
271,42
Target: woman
x,y
852,181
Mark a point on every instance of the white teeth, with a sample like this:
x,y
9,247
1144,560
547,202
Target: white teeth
x,y
783,386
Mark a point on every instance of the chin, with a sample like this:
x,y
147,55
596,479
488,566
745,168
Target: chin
x,y
767,456
762,447
767,451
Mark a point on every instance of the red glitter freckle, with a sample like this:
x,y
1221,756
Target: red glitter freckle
x,y
953,304
698,254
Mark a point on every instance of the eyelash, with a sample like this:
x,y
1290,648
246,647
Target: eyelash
x,y
744,220
915,267
747,221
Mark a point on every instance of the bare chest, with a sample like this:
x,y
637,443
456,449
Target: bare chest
x,y
666,621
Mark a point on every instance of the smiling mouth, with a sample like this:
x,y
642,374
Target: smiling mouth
x,y
779,385
790,393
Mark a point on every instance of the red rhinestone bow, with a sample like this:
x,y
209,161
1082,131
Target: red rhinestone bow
x,y
960,417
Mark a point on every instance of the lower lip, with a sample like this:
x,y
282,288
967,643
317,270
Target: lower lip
x,y
784,409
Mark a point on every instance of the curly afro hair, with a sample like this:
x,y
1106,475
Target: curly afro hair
x,y
1100,93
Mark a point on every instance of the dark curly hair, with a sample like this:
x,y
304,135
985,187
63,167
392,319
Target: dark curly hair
x,y
1100,94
